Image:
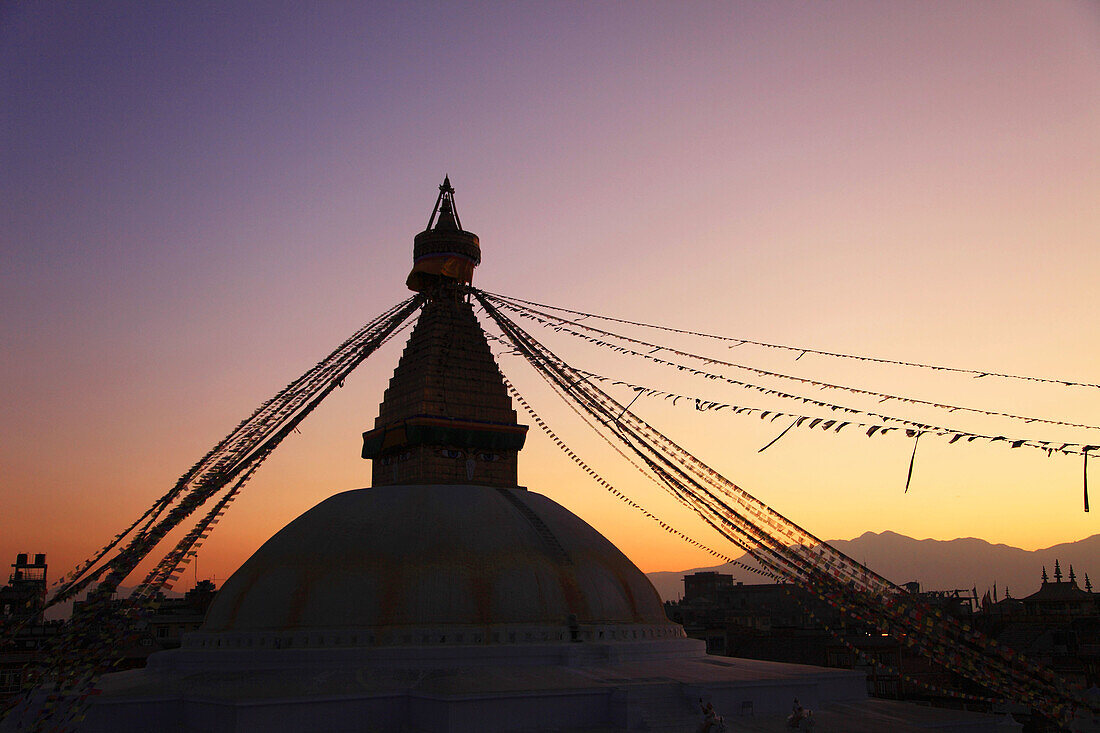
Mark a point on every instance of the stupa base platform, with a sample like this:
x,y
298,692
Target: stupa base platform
x,y
632,694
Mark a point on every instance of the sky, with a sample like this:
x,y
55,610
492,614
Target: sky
x,y
198,201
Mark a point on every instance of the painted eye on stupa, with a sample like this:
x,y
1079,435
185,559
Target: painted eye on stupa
x,y
451,453
488,457
396,458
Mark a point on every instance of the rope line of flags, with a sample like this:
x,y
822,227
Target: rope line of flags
x,y
803,350
563,325
913,429
835,426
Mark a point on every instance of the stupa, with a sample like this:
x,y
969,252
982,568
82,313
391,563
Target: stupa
x,y
446,597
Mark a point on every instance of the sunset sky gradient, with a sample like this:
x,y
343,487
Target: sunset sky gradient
x,y
198,201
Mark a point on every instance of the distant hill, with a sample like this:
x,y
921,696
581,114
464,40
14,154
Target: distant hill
x,y
937,564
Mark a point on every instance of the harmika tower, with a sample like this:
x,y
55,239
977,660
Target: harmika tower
x,y
446,416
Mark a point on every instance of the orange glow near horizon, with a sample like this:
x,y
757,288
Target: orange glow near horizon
x,y
199,206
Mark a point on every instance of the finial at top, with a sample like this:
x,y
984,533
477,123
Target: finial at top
x,y
445,208
444,252
1057,572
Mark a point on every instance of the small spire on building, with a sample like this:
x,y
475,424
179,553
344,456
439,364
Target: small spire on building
x,y
445,207
1057,572
1007,593
1072,577
448,219
1045,578
1088,583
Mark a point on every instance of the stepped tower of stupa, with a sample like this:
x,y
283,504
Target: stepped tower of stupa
x,y
446,416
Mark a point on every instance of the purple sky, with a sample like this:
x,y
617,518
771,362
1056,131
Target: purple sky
x,y
199,200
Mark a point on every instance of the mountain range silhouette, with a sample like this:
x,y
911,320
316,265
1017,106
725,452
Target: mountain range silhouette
x,y
964,563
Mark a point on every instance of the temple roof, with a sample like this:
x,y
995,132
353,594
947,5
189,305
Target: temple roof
x,y
1055,591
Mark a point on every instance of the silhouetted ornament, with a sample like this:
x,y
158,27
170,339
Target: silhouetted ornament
x,y
444,254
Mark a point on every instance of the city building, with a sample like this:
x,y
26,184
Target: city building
x,y
162,624
23,631
24,597
783,622
1058,626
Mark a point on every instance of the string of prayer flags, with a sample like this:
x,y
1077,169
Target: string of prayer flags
x,y
558,324
827,424
236,450
977,374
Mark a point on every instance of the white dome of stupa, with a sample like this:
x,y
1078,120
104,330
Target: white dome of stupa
x,y
435,564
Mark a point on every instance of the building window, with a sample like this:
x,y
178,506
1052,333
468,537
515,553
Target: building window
x,y
9,680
